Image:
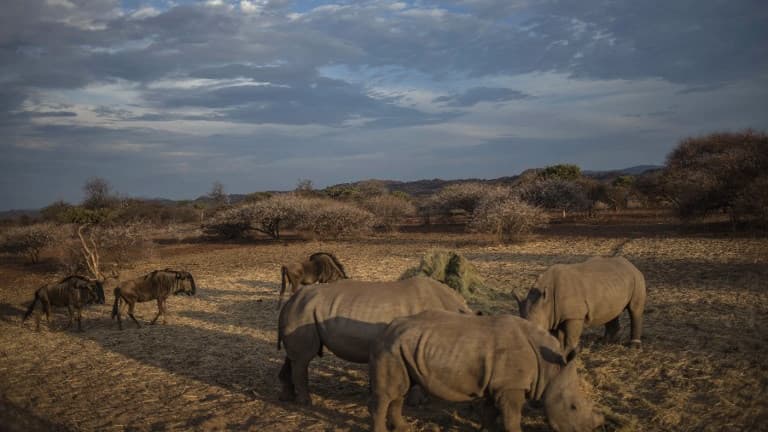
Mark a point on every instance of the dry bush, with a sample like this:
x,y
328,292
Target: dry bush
x,y
231,223
389,210
466,197
323,217
28,241
451,269
99,249
555,194
331,219
715,173
508,219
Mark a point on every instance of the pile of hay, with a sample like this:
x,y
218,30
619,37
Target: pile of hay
x,y
451,269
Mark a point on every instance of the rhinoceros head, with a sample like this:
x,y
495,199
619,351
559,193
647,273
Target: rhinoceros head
x,y
567,407
537,307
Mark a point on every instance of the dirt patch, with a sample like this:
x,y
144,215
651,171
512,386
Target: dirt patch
x,y
214,364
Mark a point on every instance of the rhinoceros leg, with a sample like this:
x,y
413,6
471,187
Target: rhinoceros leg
x,y
612,328
300,377
488,415
396,415
510,403
636,318
289,391
572,329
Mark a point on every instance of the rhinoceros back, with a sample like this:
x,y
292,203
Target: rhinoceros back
x,y
461,357
348,315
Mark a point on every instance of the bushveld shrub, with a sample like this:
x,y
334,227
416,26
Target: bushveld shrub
x,y
567,172
466,197
331,219
451,269
28,241
230,224
90,249
716,172
555,194
389,210
508,219
323,217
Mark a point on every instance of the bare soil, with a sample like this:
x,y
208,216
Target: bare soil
x,y
213,365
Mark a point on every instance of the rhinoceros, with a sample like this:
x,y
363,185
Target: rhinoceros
x,y
346,316
503,359
568,297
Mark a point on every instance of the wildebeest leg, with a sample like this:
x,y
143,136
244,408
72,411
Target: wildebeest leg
x,y
488,414
573,330
289,391
636,318
131,305
159,310
510,403
38,315
612,328
79,319
71,315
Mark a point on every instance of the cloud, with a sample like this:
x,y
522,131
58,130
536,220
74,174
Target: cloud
x,y
477,95
96,87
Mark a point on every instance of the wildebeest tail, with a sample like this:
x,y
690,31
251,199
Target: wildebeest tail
x,y
31,307
117,302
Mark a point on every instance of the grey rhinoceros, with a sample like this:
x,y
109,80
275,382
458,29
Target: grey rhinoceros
x,y
346,316
503,359
568,297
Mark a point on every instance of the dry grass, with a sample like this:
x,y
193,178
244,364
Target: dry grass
x,y
214,364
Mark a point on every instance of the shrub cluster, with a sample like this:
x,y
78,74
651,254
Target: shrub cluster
x,y
28,240
321,216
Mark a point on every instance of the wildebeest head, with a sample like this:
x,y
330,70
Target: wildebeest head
x,y
567,407
97,288
185,283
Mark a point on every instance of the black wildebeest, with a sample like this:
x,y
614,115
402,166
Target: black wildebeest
x,y
73,292
157,285
321,267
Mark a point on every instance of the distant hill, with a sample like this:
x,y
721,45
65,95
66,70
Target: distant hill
x,y
420,188
416,188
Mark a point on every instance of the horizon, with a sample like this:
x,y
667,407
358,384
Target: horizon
x,y
162,98
205,194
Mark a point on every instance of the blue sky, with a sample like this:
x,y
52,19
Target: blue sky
x,y
163,98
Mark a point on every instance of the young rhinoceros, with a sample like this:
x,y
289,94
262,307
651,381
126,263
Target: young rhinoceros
x,y
504,359
568,297
346,317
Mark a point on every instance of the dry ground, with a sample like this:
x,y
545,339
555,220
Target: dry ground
x,y
214,364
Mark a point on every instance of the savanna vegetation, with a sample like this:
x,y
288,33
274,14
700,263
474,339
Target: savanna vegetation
x,y
695,228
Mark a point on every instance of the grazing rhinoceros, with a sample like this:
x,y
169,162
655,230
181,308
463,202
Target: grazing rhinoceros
x,y
504,359
568,297
347,316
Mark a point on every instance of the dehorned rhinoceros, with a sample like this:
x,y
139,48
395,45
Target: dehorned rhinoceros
x,y
503,359
346,317
568,297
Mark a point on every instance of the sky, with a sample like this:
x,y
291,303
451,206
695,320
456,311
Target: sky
x,y
163,98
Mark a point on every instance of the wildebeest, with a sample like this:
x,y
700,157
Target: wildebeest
x,y
568,297
321,267
73,292
458,357
157,285
346,316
